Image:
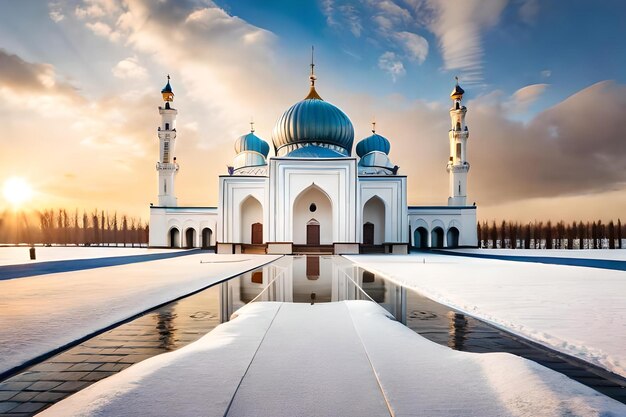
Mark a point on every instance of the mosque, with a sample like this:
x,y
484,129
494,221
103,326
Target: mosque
x,y
313,195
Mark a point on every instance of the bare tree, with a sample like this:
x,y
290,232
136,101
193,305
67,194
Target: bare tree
x,y
124,230
611,234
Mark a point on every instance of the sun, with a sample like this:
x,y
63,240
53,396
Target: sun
x,y
17,191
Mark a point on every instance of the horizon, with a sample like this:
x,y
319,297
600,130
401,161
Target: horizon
x,y
545,96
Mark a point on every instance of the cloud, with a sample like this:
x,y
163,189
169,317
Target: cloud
x,y
525,96
528,10
55,11
391,11
342,16
97,8
20,79
390,63
104,30
129,68
415,45
459,26
546,73
572,148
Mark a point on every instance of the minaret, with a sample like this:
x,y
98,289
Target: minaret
x,y
167,166
458,165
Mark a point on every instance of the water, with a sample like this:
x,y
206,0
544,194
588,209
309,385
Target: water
x,y
304,279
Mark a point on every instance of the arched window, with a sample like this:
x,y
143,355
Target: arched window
x,y
206,237
167,126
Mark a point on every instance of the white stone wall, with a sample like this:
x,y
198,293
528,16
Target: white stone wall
x,y
335,177
164,219
302,215
444,217
392,191
233,192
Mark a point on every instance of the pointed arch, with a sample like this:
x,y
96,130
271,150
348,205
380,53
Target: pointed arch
x,y
174,237
207,233
190,237
373,218
250,220
436,238
452,237
312,201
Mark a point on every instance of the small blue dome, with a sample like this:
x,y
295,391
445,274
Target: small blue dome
x,y
252,142
313,122
167,88
371,144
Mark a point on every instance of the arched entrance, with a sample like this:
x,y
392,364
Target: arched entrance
x,y
312,204
257,234
436,238
453,237
420,238
313,232
174,238
374,214
206,237
251,213
368,234
190,238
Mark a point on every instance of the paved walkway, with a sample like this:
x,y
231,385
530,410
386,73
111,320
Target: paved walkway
x,y
335,359
325,364
590,263
53,267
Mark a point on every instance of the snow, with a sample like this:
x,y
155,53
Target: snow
x,y
16,255
578,311
232,371
607,254
43,313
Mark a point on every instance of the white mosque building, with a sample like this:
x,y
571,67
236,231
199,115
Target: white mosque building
x,y
313,195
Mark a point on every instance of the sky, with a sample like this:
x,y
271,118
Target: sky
x,y
545,86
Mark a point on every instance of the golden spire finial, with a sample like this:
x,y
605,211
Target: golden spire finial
x,y
168,94
312,93
251,125
457,91
312,76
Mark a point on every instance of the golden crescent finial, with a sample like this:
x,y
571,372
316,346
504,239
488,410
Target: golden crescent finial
x,y
312,76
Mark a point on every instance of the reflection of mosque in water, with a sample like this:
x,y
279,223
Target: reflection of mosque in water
x,y
311,279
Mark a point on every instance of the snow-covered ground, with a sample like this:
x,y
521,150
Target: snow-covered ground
x,y
609,254
41,313
576,310
12,255
237,369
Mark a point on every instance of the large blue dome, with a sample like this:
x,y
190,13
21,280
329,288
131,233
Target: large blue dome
x,y
252,142
313,122
371,144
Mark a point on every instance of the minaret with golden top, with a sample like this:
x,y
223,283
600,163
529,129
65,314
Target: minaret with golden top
x,y
167,166
458,166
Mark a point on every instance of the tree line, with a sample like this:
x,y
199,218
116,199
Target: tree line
x,y
63,227
548,235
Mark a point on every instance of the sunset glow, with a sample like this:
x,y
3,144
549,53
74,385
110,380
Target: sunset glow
x,y
17,191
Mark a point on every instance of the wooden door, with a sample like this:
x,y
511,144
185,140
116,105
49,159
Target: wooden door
x,y
368,234
312,267
257,234
313,234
